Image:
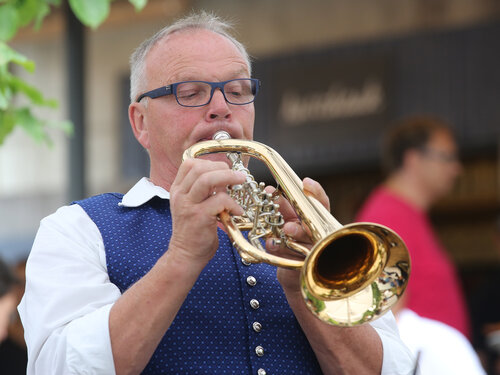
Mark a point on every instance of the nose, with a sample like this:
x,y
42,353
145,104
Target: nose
x,y
218,107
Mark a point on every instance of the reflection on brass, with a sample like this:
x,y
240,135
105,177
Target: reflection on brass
x,y
351,275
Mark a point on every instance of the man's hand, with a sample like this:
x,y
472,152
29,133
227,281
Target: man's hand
x,y
198,195
294,228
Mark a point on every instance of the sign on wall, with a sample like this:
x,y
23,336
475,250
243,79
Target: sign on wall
x,y
327,110
314,105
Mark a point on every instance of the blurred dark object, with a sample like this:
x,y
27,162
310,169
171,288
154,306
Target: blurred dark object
x,y
13,357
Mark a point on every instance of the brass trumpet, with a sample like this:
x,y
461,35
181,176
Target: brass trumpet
x,y
351,275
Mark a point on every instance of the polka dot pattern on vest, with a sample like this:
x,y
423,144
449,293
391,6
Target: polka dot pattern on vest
x,y
218,330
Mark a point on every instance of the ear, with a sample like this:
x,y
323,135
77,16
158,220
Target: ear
x,y
137,118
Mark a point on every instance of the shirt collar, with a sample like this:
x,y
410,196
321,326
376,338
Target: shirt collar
x,y
142,192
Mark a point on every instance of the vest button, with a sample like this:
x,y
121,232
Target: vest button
x,y
245,262
251,280
259,350
257,327
255,304
261,371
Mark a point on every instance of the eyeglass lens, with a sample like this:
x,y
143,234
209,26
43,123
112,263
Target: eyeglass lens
x,y
448,157
238,91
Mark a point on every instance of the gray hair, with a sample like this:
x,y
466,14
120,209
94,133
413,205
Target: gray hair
x,y
202,20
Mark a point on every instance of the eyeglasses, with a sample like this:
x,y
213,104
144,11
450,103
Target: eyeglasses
x,y
199,93
447,157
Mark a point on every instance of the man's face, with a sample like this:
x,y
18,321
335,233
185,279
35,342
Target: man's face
x,y
169,128
439,164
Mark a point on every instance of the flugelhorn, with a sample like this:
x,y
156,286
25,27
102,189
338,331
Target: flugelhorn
x,y
352,274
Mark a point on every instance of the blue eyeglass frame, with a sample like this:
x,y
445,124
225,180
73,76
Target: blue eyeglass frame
x,y
172,89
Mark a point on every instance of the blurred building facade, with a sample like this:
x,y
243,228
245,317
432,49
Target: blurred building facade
x,y
288,40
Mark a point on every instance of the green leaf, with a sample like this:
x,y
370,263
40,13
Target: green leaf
x,y
43,11
8,55
65,126
33,126
9,21
7,123
37,128
27,10
11,84
90,12
138,4
36,97
5,96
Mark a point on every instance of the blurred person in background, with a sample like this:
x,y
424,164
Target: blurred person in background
x,y
485,310
7,298
420,157
13,353
438,347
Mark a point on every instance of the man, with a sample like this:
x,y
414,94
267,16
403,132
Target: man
x,y
420,156
178,299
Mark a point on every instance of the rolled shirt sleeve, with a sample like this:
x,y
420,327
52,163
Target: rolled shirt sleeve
x,y
397,357
68,297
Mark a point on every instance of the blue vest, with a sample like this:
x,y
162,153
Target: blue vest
x,y
226,325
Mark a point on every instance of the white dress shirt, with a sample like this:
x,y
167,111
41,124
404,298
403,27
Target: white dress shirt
x,y
65,308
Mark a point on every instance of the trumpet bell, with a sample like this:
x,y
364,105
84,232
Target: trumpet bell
x,y
355,275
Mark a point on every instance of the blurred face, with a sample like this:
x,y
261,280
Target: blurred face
x,y
166,128
438,164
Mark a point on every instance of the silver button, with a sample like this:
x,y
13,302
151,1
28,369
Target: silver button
x,y
255,304
259,350
245,262
261,371
257,327
251,280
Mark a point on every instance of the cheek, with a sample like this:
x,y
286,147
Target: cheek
x,y
171,133
248,123
163,126
442,179
429,175
452,176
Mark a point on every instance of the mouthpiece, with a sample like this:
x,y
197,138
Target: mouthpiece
x,y
221,134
